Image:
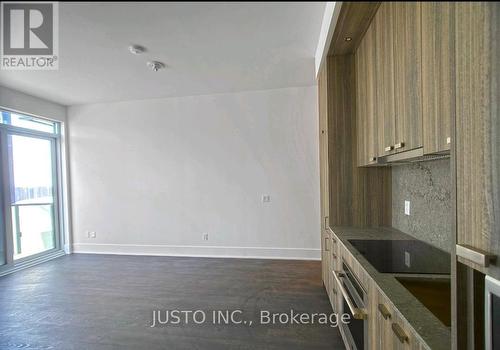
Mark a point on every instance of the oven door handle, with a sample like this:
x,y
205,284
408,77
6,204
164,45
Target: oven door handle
x,y
357,313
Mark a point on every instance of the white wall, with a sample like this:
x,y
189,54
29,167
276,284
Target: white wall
x,y
151,176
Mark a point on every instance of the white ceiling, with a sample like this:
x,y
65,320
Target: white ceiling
x,y
207,47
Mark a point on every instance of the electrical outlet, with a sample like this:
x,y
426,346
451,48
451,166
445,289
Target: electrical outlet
x,y
205,236
91,234
407,259
266,198
407,207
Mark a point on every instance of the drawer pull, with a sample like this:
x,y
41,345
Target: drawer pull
x,y
389,148
399,145
400,333
474,255
384,311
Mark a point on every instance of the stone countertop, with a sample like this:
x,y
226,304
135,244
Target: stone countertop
x,y
432,331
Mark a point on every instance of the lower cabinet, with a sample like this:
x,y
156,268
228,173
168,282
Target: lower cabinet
x,y
329,264
334,264
325,266
379,316
386,328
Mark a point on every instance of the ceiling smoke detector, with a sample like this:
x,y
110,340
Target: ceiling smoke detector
x,y
155,65
137,49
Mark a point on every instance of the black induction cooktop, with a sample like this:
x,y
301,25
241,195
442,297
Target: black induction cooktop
x,y
403,256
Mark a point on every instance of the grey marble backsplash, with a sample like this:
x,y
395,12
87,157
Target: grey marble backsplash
x,y
427,186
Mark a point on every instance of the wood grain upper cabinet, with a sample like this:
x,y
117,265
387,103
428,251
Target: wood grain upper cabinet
x,y
366,111
407,75
361,117
438,75
384,65
478,134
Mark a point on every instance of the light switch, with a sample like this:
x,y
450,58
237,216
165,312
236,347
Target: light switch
x,y
266,198
407,259
407,207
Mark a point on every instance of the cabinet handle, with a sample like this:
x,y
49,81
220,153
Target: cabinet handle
x,y
334,291
400,333
383,310
389,148
399,145
448,140
474,255
326,245
357,313
326,221
373,159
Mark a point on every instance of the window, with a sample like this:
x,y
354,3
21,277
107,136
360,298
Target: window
x,y
29,122
29,187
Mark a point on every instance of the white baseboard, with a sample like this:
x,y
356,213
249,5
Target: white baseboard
x,y
199,251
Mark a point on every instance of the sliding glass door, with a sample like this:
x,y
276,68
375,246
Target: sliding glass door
x,y
29,163
32,193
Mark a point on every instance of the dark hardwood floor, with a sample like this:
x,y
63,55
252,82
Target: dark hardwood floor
x,y
106,302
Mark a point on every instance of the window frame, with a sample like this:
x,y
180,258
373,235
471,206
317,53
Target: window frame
x,y
5,193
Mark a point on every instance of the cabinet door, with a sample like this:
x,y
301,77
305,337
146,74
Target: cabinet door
x,y
478,133
366,98
438,74
408,75
361,113
323,160
384,29
369,81
335,266
325,243
400,337
371,94
384,315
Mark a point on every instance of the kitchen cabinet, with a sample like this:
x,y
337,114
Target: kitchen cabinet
x,y
438,75
478,135
398,67
405,80
382,314
384,65
325,250
333,266
323,155
405,20
366,97
361,102
386,327
389,59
